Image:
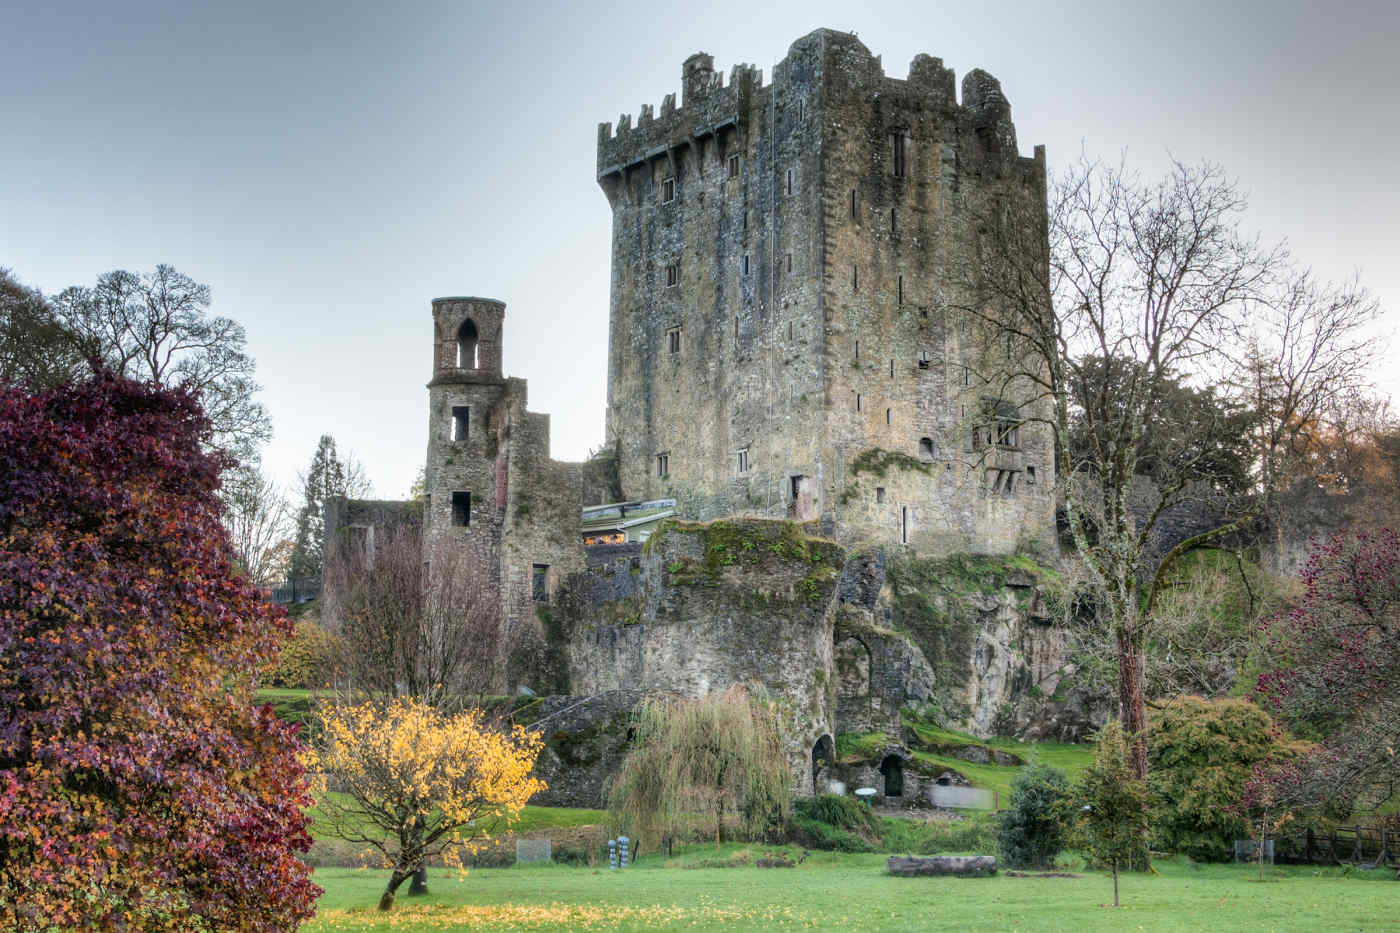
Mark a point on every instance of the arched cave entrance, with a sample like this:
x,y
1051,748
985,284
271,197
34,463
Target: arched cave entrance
x,y
466,345
893,770
823,757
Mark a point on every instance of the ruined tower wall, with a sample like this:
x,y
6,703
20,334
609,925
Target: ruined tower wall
x,y
741,372
522,507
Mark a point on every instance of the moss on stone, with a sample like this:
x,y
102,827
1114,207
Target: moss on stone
x,y
754,545
931,606
878,462
857,747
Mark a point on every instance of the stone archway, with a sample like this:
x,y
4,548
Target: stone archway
x,y
892,767
823,757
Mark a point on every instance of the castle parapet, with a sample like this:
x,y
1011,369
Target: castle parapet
x,y
708,107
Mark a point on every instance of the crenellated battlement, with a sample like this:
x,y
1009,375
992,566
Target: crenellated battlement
x,y
709,104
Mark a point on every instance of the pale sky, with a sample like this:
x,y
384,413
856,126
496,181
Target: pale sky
x,y
330,168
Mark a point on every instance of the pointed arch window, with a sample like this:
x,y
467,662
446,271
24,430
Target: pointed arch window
x,y
467,345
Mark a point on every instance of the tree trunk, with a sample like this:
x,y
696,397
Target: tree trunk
x,y
399,875
1132,703
419,884
1115,882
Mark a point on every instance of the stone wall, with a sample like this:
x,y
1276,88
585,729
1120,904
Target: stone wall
x,y
586,739
707,606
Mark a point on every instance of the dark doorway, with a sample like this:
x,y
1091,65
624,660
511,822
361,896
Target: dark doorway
x,y
893,770
823,756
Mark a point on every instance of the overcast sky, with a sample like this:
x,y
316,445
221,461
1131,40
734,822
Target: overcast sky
x,y
328,169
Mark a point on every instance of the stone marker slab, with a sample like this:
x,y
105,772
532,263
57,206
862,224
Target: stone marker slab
x,y
532,850
967,866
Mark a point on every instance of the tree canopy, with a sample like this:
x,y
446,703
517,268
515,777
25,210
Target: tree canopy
x,y
140,786
156,327
1337,673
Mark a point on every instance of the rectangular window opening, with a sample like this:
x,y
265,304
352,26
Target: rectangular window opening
x,y
789,182
673,340
663,465
745,264
461,509
901,290
539,582
789,262
744,460
855,278
461,422
857,401
853,204
879,495
904,524
892,223
887,415
924,359
746,220
733,166
901,153
673,275
1030,476
668,190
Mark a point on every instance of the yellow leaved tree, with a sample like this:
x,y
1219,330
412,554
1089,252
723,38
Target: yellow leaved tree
x,y
415,782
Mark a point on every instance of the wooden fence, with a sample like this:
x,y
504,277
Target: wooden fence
x,y
298,590
1368,846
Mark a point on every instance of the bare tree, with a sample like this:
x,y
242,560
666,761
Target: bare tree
x,y
414,627
157,327
1134,287
258,519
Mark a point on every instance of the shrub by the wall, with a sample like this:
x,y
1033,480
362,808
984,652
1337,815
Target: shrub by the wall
x,y
1030,833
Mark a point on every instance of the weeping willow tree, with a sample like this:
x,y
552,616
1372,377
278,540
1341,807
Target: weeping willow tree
x,y
716,764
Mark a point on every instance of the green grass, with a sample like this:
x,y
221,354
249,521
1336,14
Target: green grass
x,y
1069,758
853,893
531,819
273,694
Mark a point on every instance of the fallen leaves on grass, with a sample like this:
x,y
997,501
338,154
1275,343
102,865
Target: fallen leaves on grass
x,y
553,916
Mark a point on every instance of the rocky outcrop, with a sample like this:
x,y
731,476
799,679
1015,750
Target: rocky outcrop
x,y
710,606
586,739
1001,664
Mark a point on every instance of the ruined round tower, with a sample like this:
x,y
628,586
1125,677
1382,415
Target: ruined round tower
x,y
464,483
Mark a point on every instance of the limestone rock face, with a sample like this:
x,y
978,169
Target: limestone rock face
x,y
585,741
714,605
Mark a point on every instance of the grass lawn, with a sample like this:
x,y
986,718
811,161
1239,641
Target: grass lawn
x,y
853,893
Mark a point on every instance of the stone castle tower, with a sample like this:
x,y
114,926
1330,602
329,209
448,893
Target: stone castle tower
x,y
787,332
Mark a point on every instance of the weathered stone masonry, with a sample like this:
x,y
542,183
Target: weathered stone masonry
x,y
790,291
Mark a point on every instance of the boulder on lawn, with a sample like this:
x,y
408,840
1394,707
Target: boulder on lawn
x,y
968,866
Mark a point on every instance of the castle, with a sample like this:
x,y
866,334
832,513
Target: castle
x,y
790,337
784,327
